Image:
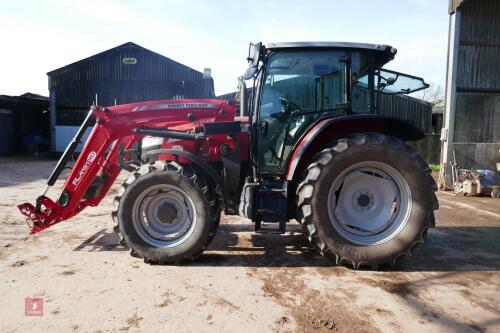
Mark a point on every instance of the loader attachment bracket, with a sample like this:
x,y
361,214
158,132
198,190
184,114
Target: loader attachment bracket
x,y
38,218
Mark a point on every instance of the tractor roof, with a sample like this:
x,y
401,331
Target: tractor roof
x,y
384,53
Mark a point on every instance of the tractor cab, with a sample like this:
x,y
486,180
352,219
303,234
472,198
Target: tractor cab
x,y
297,84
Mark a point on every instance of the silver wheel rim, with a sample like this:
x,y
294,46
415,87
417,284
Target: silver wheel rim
x,y
369,203
164,216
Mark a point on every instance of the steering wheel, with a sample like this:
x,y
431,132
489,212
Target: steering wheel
x,y
290,106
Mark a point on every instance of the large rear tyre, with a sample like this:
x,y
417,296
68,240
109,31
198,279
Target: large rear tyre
x,y
166,213
367,200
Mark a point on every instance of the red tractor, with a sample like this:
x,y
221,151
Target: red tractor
x,y
313,148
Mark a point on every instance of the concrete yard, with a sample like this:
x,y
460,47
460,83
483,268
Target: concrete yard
x,y
244,282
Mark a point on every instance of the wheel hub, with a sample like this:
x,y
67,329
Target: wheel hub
x,y
363,200
369,203
167,213
164,216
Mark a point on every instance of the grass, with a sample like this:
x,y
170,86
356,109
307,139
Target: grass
x,y
435,167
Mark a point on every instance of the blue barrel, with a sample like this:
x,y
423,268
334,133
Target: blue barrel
x,y
7,136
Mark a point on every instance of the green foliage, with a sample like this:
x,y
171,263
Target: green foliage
x,y
435,167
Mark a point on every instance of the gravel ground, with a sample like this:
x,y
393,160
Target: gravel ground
x,y
244,282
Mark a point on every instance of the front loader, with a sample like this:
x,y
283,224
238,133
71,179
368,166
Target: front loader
x,y
308,143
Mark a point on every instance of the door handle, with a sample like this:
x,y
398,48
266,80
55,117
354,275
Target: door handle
x,y
263,128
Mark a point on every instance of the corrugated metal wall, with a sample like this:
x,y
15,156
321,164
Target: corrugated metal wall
x,y
126,74
479,46
416,111
477,113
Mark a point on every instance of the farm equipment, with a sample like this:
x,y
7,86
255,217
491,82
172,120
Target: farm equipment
x,y
307,144
475,181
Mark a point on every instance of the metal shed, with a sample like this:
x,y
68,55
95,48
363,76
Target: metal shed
x,y
22,118
125,74
471,127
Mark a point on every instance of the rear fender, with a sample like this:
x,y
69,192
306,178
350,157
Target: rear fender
x,y
328,130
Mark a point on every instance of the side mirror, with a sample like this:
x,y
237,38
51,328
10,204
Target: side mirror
x,y
253,60
253,54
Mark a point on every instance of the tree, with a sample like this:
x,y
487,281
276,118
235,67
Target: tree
x,y
435,95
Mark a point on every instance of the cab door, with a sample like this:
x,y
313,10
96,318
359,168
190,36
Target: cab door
x,y
299,87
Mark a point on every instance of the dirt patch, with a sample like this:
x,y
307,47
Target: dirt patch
x,y
72,237
282,321
475,300
313,310
69,272
167,300
337,271
225,303
132,322
19,263
384,312
401,288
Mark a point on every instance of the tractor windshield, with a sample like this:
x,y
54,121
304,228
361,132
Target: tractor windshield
x,y
298,87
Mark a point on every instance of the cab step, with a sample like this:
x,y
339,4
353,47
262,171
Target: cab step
x,y
269,227
271,207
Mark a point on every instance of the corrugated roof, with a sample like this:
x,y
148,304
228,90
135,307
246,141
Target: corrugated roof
x,y
63,69
26,98
454,4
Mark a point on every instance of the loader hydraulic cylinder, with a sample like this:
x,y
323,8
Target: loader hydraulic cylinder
x,y
70,149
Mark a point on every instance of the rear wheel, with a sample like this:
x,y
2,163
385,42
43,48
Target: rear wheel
x,y
367,200
166,213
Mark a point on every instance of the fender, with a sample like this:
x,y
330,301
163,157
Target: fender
x,y
207,168
326,130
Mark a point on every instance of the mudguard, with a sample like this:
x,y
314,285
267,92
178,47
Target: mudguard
x,y
326,130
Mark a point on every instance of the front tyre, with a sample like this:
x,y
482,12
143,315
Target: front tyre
x,y
367,200
166,213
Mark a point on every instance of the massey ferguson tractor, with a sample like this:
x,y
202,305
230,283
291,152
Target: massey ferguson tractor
x,y
306,142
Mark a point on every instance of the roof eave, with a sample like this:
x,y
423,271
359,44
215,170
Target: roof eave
x,y
454,4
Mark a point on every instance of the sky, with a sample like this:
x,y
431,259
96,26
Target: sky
x,y
40,36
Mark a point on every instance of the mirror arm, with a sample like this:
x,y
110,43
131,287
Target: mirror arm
x,y
243,96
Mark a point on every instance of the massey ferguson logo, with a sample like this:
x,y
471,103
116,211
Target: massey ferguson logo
x,y
90,158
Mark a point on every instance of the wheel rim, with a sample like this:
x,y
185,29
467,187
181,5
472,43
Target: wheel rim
x,y
369,203
164,216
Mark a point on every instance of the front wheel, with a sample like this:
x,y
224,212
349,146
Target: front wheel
x,y
367,200
166,213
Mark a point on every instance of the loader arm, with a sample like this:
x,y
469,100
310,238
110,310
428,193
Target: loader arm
x,y
97,166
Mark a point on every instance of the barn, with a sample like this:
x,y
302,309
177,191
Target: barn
x,y
24,124
124,74
471,129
